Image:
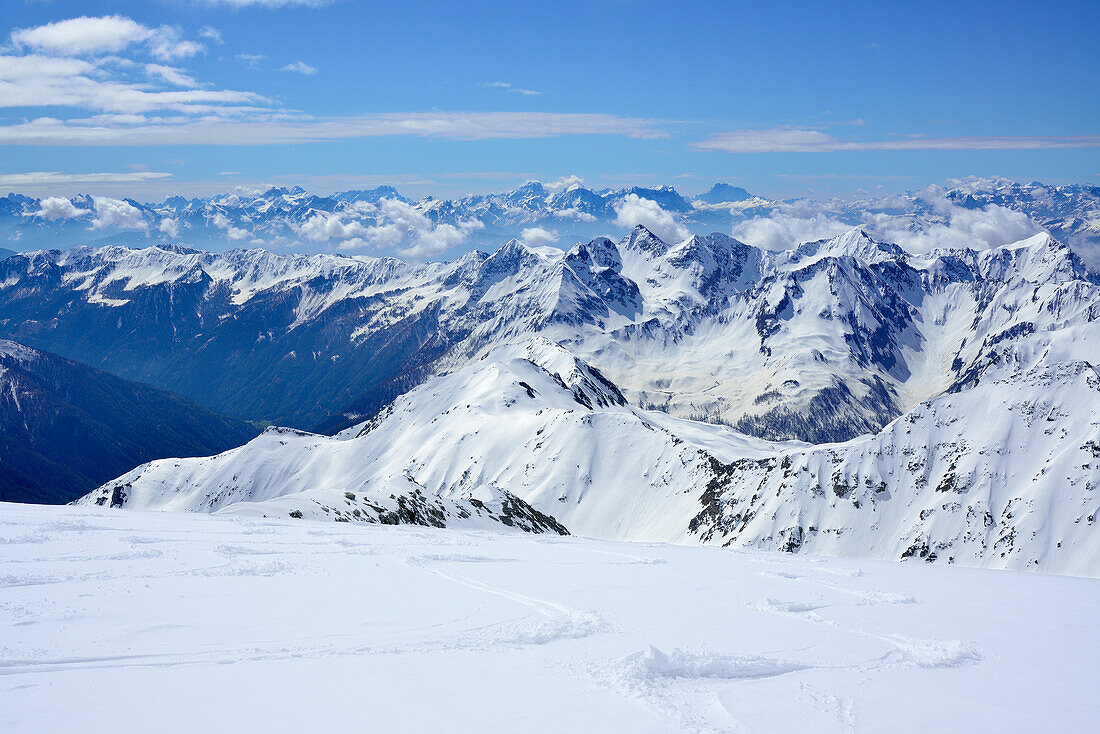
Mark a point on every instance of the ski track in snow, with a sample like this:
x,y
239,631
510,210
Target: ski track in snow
x,y
145,621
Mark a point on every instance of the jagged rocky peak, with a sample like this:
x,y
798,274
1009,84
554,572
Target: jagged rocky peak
x,y
600,253
509,258
588,384
642,240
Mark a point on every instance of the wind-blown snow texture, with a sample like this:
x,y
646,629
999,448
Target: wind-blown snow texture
x,y
139,621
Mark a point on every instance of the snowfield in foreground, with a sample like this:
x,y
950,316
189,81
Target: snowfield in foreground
x,y
145,621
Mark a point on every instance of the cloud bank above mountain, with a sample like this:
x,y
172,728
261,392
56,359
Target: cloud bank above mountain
x,y
945,224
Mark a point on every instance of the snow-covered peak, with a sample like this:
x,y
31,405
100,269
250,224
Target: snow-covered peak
x,y
644,241
17,352
855,243
1038,259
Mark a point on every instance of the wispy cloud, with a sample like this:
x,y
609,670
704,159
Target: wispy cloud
x,y
511,88
252,60
300,67
46,179
47,81
806,140
172,75
95,67
211,34
284,128
270,3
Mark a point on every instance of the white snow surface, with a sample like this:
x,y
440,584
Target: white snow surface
x,y
141,621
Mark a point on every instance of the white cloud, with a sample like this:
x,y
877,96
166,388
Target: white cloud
x,y
784,231
170,227
633,210
54,208
222,222
805,140
511,88
946,226
538,236
83,35
126,102
285,129
330,226
43,81
301,67
270,3
575,213
167,44
403,227
958,227
565,182
211,34
252,60
172,75
116,213
88,36
45,179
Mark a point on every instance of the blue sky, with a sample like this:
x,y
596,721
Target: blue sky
x,y
156,97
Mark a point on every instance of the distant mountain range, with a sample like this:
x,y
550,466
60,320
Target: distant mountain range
x,y
822,343
382,221
66,428
843,396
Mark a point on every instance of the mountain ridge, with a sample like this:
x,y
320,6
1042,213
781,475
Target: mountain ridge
x,y
66,428
821,343
958,479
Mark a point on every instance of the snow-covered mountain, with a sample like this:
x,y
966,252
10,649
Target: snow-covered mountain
x,y
1003,474
382,221
822,343
373,220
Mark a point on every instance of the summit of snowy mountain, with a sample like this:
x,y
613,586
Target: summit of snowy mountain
x,y
855,243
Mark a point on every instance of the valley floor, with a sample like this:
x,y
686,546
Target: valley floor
x,y
117,621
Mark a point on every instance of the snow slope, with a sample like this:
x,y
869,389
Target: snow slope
x,y
142,621
1003,474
